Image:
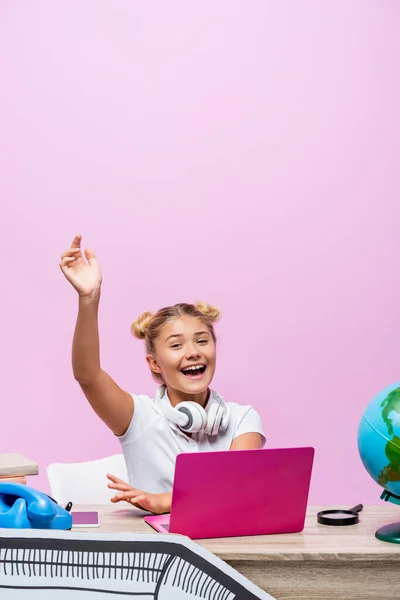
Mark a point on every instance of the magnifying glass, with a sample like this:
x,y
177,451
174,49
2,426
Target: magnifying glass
x,y
340,517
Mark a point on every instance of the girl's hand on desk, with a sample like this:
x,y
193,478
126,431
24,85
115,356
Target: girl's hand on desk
x,y
155,503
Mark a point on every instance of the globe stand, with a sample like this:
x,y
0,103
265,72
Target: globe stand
x,y
389,533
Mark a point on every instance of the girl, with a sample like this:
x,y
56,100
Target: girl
x,y
186,415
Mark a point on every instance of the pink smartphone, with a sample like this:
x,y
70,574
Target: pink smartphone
x,y
85,519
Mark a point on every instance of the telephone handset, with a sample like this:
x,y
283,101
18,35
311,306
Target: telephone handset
x,y
23,507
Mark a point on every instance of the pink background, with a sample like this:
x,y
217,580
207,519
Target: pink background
x,y
245,153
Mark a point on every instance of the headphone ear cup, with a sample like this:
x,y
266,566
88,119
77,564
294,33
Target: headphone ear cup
x,y
197,416
218,418
225,418
214,418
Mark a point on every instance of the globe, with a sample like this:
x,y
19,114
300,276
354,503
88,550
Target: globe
x,y
379,448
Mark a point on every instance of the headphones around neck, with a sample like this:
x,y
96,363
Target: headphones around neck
x,y
192,417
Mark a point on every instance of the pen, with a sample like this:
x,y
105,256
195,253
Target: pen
x,y
69,506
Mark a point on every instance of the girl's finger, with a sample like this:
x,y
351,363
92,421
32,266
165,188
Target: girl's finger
x,y
131,493
140,501
76,242
123,487
115,499
119,498
67,261
114,478
71,252
89,254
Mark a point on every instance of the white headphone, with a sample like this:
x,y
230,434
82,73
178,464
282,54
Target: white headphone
x,y
191,417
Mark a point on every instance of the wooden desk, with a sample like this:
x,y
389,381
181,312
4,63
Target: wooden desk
x,y
321,563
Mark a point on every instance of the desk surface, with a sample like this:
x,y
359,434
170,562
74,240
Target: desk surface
x,y
316,543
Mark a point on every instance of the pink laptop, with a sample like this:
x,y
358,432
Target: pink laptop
x,y
238,493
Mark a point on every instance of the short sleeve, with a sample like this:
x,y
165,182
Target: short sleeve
x,y
143,413
249,422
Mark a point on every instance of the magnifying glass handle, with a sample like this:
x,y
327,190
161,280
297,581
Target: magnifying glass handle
x,y
357,508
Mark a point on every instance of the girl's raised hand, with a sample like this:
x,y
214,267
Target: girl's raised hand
x,y
85,276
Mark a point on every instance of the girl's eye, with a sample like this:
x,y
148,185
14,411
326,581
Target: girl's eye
x,y
202,341
175,346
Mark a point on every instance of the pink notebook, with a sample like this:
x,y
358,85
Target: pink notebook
x,y
238,493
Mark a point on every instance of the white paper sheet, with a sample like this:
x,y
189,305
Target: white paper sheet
x,y
36,564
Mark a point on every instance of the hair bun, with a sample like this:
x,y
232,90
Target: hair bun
x,y
211,312
139,327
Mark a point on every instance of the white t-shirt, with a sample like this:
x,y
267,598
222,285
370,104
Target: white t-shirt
x,y
152,442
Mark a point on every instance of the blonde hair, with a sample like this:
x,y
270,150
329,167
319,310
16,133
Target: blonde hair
x,y
147,327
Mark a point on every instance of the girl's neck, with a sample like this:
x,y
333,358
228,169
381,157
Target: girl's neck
x,y
176,396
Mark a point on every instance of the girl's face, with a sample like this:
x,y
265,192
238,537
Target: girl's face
x,y
185,355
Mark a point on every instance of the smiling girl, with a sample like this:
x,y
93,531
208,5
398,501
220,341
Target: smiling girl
x,y
186,414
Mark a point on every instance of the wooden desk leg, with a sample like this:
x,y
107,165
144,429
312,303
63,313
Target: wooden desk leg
x,y
323,580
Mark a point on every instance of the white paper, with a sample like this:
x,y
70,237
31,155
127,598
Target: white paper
x,y
36,564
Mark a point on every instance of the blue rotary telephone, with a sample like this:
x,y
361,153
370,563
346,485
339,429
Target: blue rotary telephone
x,y
23,507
